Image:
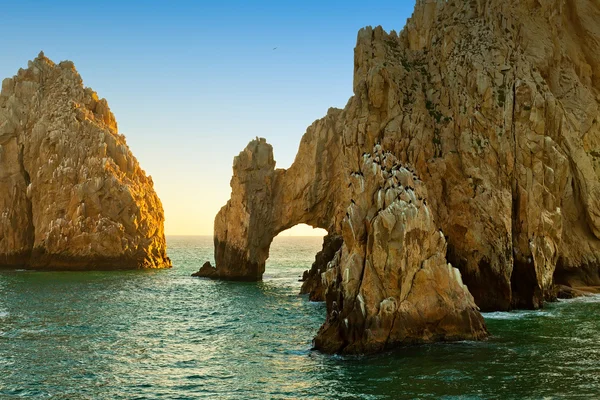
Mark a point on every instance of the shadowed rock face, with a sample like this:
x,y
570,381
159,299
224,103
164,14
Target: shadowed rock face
x,y
312,284
494,106
72,196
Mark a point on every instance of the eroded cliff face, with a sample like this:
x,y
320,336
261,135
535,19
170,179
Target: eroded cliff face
x,y
390,283
494,106
72,196
495,103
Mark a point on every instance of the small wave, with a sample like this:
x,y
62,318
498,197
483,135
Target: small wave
x,y
512,315
32,331
591,298
4,314
502,315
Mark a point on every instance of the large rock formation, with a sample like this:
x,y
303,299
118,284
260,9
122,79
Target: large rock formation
x,y
495,106
390,283
72,196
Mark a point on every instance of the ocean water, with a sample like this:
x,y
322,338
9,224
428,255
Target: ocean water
x,y
165,335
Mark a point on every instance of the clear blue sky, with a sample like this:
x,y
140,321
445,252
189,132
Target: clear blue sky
x,y
191,82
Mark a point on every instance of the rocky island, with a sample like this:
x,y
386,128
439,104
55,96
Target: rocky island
x,y
468,157
72,196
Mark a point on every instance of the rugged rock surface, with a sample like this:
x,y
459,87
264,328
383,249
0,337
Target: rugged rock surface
x,y
72,196
266,201
312,284
390,283
206,271
495,106
568,292
509,149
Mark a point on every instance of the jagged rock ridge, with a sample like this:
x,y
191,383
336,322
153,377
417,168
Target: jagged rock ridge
x,y
390,282
72,196
494,106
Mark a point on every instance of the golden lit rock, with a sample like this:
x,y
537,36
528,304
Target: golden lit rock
x,y
72,196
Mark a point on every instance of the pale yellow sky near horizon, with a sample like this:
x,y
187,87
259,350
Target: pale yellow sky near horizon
x,y
300,230
180,222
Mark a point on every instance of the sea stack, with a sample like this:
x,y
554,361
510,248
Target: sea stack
x,y
72,196
472,141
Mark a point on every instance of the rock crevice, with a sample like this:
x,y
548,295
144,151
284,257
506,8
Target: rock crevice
x,y
312,278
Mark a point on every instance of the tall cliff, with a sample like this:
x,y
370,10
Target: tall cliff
x,y
72,196
494,106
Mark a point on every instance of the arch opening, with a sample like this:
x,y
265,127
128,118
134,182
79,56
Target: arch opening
x,y
293,251
302,230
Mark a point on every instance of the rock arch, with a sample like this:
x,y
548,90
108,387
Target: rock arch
x,y
389,283
266,201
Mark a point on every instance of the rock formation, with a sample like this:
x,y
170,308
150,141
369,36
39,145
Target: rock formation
x,y
72,196
266,201
312,278
390,283
494,105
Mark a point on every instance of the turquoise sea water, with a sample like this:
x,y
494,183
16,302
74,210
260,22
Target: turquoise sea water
x,y
165,335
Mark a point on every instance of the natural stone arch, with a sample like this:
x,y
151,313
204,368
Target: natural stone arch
x,y
266,201
389,283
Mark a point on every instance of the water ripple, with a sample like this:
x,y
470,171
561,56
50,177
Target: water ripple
x,y
165,335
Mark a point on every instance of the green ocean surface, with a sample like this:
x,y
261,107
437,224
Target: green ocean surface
x,y
165,335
